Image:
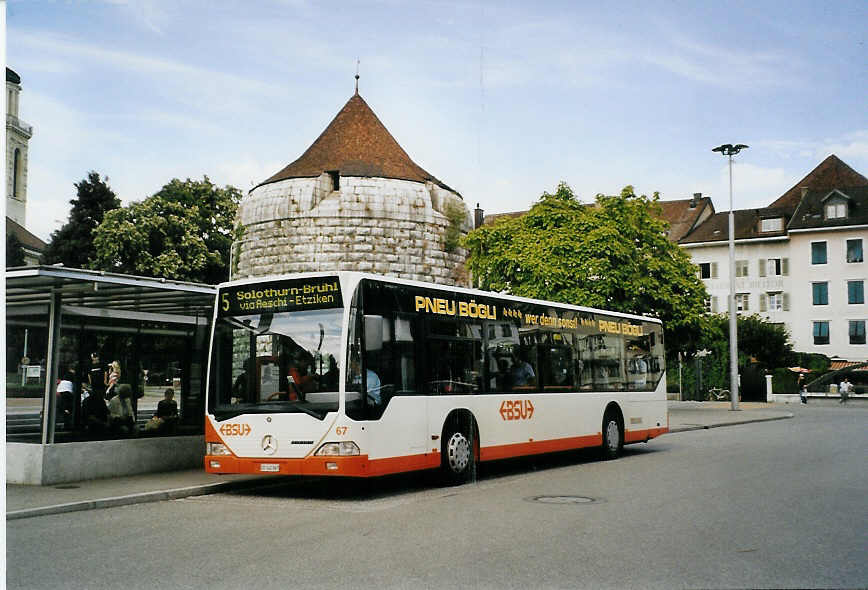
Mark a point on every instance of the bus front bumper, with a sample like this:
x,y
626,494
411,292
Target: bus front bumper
x,y
357,466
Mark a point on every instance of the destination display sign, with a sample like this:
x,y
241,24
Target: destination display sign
x,y
280,296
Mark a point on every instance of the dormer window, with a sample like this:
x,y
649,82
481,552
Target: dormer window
x,y
835,205
836,210
335,177
772,224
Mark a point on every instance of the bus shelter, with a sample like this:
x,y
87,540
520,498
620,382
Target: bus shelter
x,y
64,328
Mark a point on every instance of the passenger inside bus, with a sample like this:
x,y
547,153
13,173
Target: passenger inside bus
x,y
521,373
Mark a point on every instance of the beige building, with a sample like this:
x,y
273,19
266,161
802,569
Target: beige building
x,y
798,262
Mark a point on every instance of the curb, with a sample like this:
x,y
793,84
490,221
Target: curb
x,y
786,416
142,498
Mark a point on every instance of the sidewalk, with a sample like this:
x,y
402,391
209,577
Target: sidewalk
x,y
28,501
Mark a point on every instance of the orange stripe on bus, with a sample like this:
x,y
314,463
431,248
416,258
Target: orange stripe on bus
x,y
544,446
632,436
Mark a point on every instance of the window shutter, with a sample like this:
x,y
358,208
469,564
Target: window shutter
x,y
786,302
713,270
762,267
785,266
764,302
714,304
745,306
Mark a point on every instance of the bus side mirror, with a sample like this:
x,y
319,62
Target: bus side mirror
x,y
373,332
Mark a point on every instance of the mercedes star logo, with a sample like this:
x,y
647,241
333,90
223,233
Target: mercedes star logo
x,y
269,444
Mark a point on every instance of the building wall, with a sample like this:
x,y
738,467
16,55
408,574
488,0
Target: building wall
x,y
379,225
796,285
836,272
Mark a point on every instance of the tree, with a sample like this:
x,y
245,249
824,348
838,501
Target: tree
x,y
182,232
758,340
614,255
72,244
14,251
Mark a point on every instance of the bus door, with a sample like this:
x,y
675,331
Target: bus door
x,y
390,367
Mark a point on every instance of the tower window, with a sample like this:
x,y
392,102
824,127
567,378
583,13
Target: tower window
x,y
16,172
335,175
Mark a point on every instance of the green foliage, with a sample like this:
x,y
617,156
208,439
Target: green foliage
x,y
182,232
72,244
456,215
614,255
784,381
759,342
14,251
759,339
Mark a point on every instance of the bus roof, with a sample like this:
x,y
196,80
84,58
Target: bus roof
x,y
353,278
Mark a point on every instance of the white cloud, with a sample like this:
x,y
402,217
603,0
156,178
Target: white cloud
x,y
850,146
753,186
65,48
245,172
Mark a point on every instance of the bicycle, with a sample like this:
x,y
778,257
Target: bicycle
x,y
716,394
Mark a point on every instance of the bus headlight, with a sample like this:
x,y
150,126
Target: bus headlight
x,y
216,449
338,449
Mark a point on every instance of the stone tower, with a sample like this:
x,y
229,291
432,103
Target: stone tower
x,y
353,201
18,133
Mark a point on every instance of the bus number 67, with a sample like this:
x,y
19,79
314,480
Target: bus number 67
x,y
341,430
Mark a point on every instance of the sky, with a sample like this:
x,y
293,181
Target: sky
x,y
499,100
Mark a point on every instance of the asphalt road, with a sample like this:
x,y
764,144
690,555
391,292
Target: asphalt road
x,y
774,504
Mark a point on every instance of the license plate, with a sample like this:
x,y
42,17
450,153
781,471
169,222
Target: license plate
x,y
269,467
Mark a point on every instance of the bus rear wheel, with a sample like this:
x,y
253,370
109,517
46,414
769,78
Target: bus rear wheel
x,y
613,439
458,463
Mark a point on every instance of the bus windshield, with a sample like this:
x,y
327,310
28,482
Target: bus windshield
x,y
275,361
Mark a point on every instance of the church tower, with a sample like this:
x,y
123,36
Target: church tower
x,y
353,201
18,133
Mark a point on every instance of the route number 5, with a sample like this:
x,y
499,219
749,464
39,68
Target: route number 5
x,y
224,301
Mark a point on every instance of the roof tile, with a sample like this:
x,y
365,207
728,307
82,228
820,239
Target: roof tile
x,y
356,143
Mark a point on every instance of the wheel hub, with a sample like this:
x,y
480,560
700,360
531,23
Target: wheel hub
x,y
458,452
612,435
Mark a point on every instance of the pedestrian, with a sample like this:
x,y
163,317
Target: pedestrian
x,y
95,376
66,398
111,378
96,414
844,389
121,411
803,389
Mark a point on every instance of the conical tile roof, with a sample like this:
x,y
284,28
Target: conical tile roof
x,y
829,174
356,143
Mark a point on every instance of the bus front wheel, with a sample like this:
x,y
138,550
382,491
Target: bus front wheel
x,y
459,453
613,439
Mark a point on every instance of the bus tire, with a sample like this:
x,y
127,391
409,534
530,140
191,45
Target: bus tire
x,y
460,450
613,434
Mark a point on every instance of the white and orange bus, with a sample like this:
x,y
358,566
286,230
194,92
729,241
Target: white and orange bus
x,y
360,375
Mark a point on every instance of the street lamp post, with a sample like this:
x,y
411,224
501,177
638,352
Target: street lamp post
x,y
730,150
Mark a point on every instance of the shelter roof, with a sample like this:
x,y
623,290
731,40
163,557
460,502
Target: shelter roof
x,y
104,293
356,143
